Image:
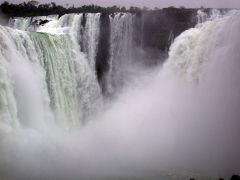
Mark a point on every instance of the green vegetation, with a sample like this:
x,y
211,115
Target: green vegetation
x,y
33,8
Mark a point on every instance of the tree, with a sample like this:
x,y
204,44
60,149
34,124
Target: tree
x,y
33,3
123,9
53,4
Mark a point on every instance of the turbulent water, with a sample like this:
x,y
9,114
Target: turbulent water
x,y
46,72
179,120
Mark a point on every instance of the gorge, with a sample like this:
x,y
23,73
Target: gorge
x,y
120,96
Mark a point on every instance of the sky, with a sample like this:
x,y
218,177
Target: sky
x,y
148,3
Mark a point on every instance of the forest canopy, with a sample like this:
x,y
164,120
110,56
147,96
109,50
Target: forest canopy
x,y
34,8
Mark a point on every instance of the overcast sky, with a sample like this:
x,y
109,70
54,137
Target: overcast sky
x,y
148,3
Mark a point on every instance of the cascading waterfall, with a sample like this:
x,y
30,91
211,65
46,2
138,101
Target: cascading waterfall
x,y
8,104
83,31
85,28
69,79
20,23
91,36
58,75
185,117
188,56
207,58
19,70
121,48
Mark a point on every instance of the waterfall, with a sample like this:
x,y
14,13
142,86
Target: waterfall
x,y
128,35
182,117
29,23
191,52
121,49
41,70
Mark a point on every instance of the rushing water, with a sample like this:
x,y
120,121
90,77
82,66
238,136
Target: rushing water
x,y
46,71
179,120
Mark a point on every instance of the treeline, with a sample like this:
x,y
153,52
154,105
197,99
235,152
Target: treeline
x,y
33,8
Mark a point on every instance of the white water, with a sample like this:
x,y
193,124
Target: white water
x,y
121,48
42,67
27,23
183,118
121,39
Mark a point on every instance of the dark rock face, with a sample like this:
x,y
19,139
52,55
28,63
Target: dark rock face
x,y
103,54
39,22
84,20
155,30
42,22
235,177
80,41
3,18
